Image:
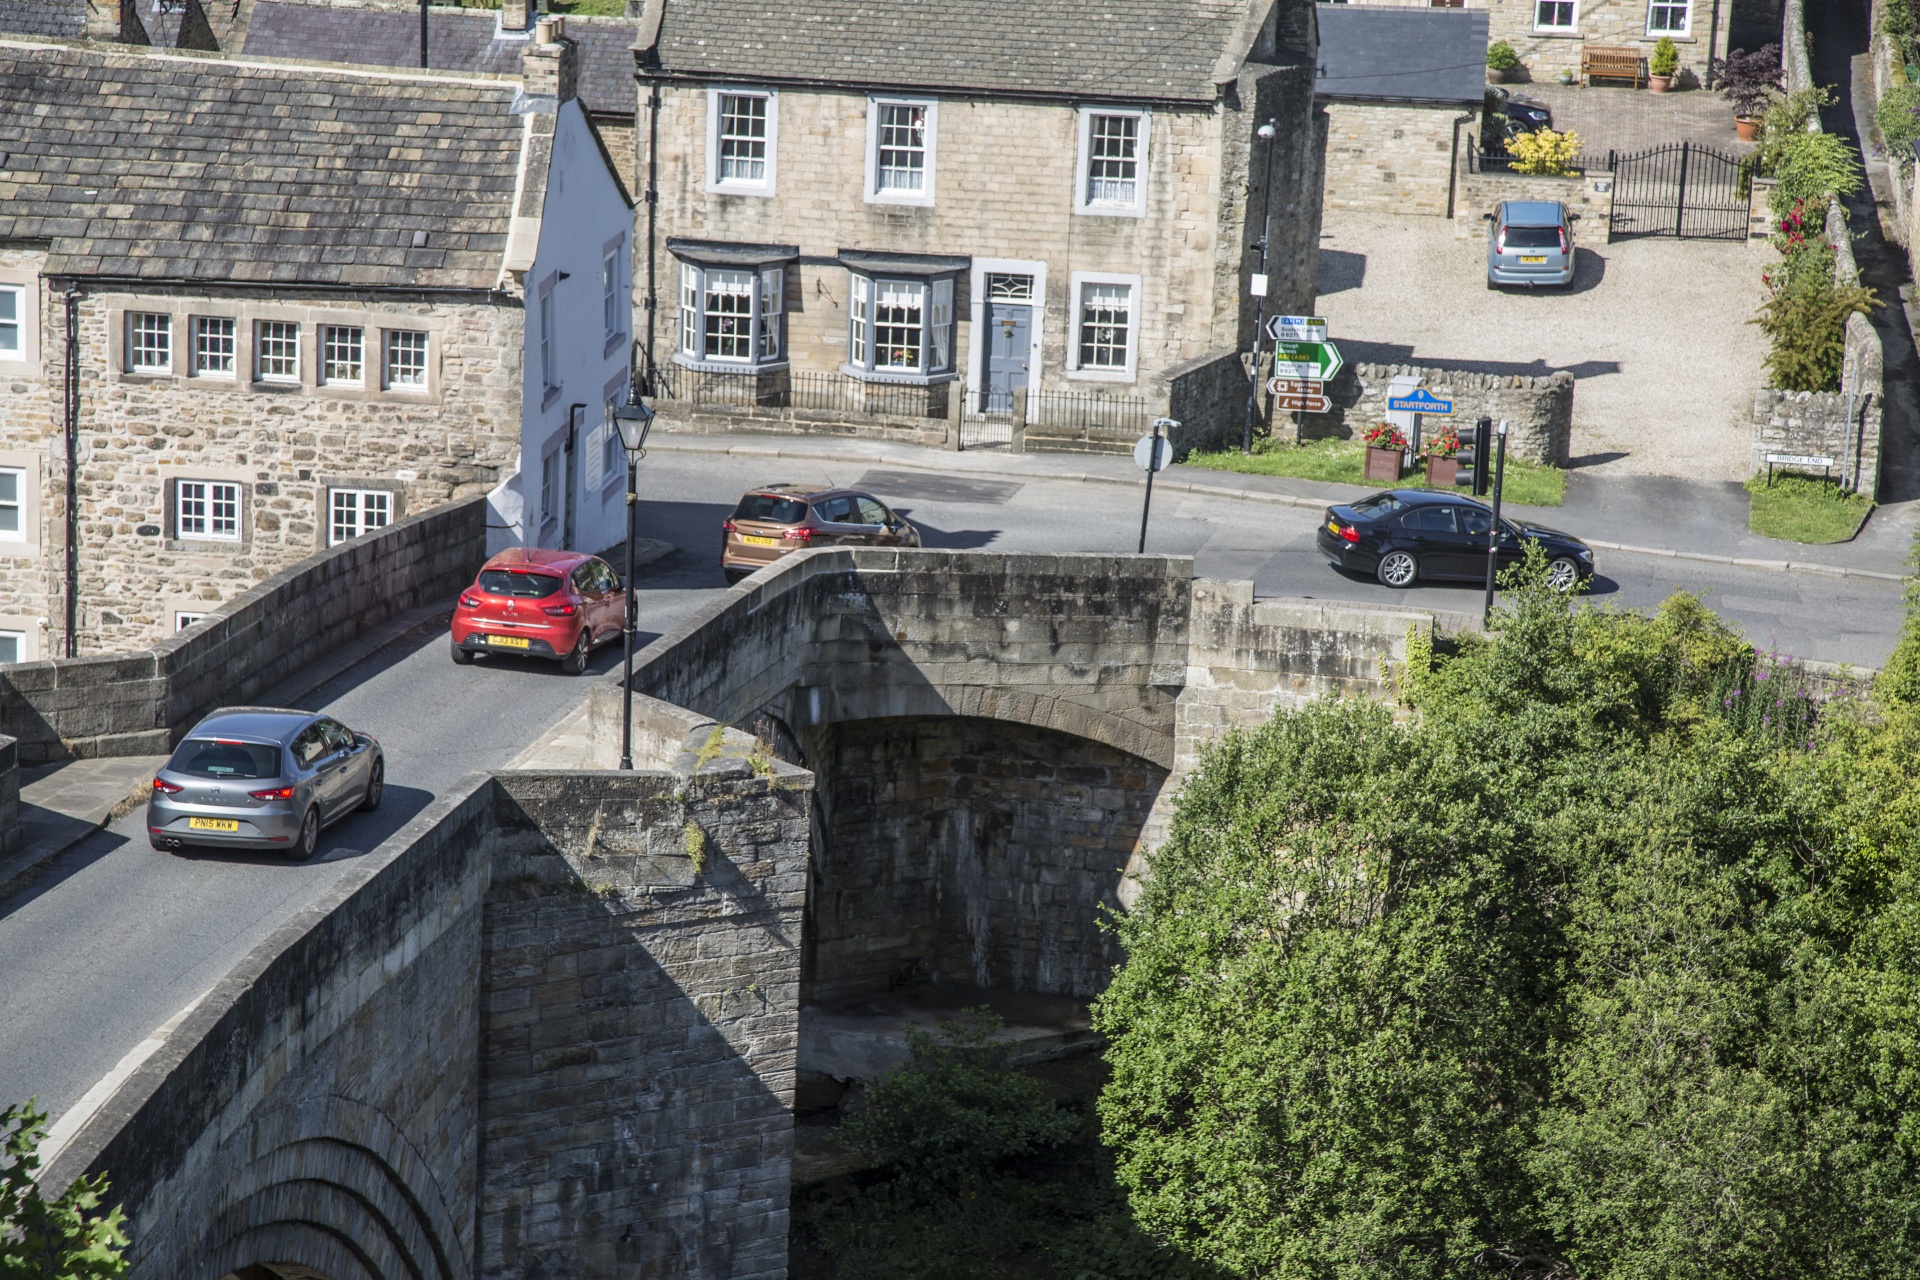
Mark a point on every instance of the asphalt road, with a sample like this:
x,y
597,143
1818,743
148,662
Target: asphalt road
x,y
121,937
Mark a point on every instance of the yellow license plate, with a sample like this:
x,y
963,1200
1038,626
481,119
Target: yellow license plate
x,y
509,642
212,824
1333,526
754,540
1542,259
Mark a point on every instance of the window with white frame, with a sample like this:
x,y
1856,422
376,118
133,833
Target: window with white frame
x,y
1668,17
612,453
899,327
1113,162
207,510
13,646
900,151
550,486
13,506
352,512
610,292
1554,15
13,315
732,317
1104,326
149,342
213,346
182,620
407,359
343,357
549,375
741,141
277,351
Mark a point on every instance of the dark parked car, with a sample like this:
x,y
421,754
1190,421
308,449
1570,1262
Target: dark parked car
x,y
1404,535
1506,114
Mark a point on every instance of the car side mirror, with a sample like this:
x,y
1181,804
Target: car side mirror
x,y
1573,217
1486,217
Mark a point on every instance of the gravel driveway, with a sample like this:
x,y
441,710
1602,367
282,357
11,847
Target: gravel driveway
x,y
1655,331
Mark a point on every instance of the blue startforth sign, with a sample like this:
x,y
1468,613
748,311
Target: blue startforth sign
x,y
1421,401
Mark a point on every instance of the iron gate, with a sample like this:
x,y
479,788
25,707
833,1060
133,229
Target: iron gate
x,y
1684,190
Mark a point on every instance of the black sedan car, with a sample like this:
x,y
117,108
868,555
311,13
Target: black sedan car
x,y
1404,535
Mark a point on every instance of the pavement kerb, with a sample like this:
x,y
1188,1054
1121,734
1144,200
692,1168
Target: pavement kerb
x,y
1243,495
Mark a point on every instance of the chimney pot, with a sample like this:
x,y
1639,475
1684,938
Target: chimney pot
x,y
551,66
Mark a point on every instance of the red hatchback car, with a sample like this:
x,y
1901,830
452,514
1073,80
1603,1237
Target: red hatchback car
x,y
541,604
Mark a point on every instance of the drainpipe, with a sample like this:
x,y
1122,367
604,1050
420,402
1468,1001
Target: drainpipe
x,y
653,217
423,35
1453,168
72,408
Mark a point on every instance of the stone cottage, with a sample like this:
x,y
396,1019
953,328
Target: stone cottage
x,y
251,309
971,197
1401,87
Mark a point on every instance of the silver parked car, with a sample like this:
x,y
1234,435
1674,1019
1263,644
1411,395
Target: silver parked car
x,y
1530,242
263,778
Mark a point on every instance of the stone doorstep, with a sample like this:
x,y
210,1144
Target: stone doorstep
x,y
63,804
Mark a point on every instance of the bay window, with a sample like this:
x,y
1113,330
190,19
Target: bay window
x,y
899,329
732,306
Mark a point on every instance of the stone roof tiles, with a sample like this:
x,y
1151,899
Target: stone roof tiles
x,y
1145,49
157,166
1402,55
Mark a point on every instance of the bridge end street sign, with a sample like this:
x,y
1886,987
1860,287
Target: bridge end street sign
x,y
1421,401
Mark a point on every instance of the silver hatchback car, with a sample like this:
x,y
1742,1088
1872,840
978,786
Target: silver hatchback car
x,y
1530,242
263,778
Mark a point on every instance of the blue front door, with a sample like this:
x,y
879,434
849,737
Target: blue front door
x,y
1009,344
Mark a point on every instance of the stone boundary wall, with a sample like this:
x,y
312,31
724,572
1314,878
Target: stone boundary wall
x,y
137,703
1889,70
1478,194
10,835
1538,410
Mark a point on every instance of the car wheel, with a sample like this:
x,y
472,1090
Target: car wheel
x,y
461,657
307,843
576,662
1491,286
1562,573
1398,569
376,784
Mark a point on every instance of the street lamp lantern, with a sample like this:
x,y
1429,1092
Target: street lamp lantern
x,y
632,421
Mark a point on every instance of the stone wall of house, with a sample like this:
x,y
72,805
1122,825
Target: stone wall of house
x,y
1538,411
1478,194
285,445
1385,158
31,440
1614,24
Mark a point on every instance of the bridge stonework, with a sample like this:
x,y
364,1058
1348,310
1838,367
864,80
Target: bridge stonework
x,y
551,1026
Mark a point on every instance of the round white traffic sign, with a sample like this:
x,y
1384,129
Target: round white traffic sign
x,y
1143,453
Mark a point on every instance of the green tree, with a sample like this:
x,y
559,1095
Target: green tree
x,y
60,1239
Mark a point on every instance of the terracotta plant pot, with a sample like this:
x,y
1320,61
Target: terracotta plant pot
x,y
1383,464
1496,77
1659,84
1443,472
1748,127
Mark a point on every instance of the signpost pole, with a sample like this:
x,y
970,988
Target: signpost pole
x,y
1266,134
1493,531
1153,464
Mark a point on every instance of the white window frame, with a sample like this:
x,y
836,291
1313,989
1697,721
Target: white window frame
x,y
19,639
610,277
19,504
922,198
358,512
1077,284
863,328
764,186
133,319
388,345
260,373
22,333
183,619
553,483
549,321
204,327
1685,30
1573,17
211,493
359,344
766,318
1082,201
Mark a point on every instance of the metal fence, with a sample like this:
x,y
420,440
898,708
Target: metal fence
x,y
1091,417
830,393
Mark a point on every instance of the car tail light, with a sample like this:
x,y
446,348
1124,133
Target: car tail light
x,y
802,534
1500,241
1563,239
1348,533
558,610
164,787
727,526
273,793
469,602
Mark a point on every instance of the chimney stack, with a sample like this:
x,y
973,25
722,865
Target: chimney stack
x,y
518,15
552,63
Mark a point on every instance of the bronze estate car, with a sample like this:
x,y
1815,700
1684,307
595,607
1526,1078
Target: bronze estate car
x,y
778,519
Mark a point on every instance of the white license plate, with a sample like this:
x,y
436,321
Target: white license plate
x,y
1541,260
509,642
212,824
754,540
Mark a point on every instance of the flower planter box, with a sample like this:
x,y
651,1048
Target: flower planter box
x,y
1443,472
1383,464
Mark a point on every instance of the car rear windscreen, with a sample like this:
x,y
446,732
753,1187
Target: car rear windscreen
x,y
211,758
512,582
1533,237
1380,504
771,507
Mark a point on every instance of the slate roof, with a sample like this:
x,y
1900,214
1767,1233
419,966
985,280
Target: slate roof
x,y
161,166
1156,50
1402,55
457,40
63,18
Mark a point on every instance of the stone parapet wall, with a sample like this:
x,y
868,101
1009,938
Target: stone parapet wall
x,y
1538,411
137,703
10,839
1390,158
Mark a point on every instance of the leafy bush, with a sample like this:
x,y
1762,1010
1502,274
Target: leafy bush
x,y
1787,118
1501,57
1813,166
1750,80
1545,153
61,1239
1898,116
1805,317
1666,57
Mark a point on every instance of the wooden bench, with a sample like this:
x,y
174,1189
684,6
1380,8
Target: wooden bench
x,y
1602,62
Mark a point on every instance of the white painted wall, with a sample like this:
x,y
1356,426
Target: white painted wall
x,y
583,214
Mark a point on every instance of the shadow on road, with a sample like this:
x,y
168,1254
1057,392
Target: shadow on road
x,y
1341,270
1356,351
351,837
50,874
937,539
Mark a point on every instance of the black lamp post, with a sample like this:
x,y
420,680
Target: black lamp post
x,y
1266,134
632,422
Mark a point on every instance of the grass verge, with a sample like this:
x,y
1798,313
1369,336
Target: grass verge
x,y
1805,509
1344,462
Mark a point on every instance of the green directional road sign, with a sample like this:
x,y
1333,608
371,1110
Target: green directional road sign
x,y
1316,360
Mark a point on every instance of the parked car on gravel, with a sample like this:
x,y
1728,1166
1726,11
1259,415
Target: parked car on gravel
x,y
1530,242
263,778
533,603
1405,536
779,519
